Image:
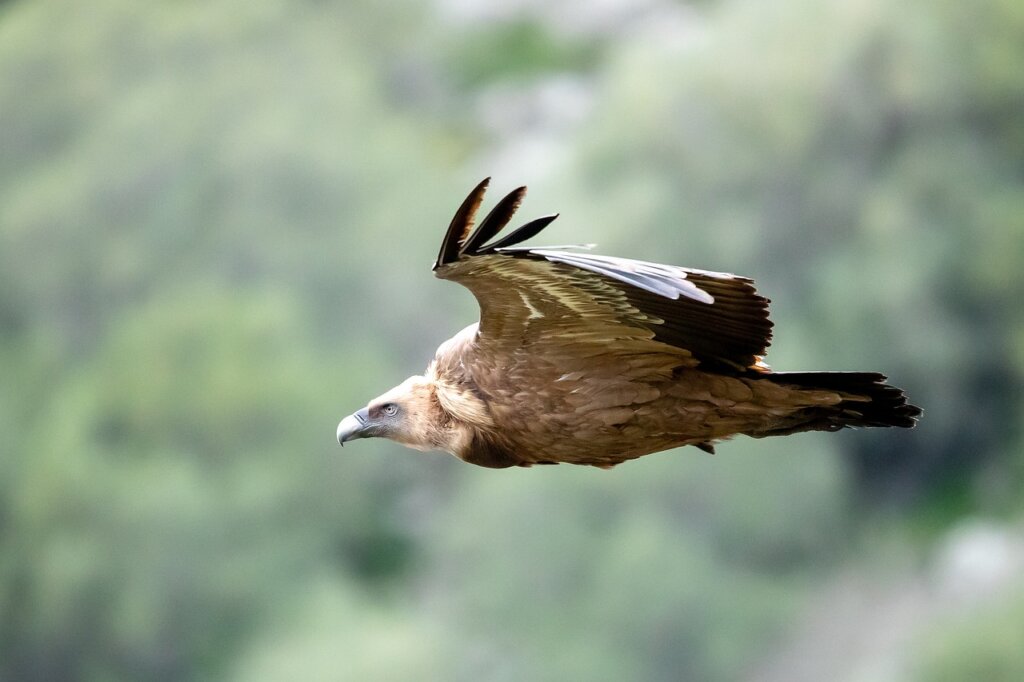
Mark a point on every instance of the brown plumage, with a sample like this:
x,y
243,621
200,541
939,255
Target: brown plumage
x,y
595,360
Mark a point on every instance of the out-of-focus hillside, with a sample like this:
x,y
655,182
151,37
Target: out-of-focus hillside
x,y
216,226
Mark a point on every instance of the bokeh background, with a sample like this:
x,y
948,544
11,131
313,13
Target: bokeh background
x,y
216,225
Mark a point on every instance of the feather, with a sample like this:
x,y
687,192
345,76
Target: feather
x,y
669,286
497,219
462,223
668,282
521,234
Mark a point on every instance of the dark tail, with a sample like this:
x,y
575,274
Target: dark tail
x,y
871,402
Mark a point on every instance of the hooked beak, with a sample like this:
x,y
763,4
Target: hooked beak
x,y
353,426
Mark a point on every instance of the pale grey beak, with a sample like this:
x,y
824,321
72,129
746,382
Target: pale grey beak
x,y
353,426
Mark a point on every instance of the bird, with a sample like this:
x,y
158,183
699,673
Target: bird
x,y
595,360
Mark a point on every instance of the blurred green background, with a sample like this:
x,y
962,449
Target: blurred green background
x,y
217,221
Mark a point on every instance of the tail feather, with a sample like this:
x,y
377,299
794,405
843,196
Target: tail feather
x,y
871,402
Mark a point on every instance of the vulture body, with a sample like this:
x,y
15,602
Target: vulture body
x,y
588,359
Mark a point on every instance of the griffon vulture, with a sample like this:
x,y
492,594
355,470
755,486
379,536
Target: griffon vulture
x,y
589,359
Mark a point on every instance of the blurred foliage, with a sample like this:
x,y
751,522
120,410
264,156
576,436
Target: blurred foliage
x,y
517,50
984,646
217,224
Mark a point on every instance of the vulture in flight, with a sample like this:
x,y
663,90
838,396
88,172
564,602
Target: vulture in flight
x,y
588,359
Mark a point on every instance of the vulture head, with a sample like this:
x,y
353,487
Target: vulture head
x,y
406,414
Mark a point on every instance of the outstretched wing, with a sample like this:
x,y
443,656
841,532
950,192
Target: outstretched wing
x,y
535,296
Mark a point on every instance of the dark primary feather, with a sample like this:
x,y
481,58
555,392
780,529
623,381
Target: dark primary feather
x,y
495,221
520,234
460,226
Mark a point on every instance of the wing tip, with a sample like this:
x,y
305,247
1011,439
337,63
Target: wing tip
x,y
462,240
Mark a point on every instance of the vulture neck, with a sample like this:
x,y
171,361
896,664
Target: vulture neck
x,y
466,416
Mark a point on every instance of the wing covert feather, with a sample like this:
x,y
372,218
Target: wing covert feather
x,y
535,300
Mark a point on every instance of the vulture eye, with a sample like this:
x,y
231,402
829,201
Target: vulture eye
x,y
390,409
